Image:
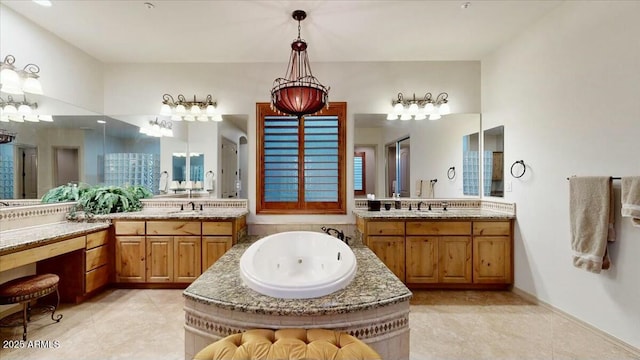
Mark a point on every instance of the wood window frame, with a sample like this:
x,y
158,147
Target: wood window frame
x,y
338,109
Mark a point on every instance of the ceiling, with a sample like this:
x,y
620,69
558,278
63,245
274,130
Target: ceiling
x,y
261,31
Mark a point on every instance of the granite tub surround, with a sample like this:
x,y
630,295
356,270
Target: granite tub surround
x,y
34,236
374,307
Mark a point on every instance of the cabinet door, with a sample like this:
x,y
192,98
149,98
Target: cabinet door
x,y
391,250
159,258
213,247
422,259
187,258
492,259
130,259
455,259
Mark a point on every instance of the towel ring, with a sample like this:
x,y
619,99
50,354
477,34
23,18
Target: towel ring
x,y
524,169
451,173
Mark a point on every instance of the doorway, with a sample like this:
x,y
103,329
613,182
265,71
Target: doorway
x,y
398,176
27,179
228,168
66,167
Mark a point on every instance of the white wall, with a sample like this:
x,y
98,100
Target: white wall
x,y
567,92
66,73
366,87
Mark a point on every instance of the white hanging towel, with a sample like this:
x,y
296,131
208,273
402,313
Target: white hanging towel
x,y
164,181
630,189
208,181
419,188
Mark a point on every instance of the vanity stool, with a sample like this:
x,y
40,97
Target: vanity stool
x,y
312,344
25,289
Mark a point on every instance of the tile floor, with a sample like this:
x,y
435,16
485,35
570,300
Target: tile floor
x,y
147,324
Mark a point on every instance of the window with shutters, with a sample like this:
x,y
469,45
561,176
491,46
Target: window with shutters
x,y
301,162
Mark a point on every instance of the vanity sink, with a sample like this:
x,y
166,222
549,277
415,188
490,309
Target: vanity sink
x,y
185,212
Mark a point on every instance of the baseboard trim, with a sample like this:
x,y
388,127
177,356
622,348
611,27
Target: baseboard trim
x,y
533,299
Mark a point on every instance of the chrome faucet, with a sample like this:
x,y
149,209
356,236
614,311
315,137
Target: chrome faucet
x,y
444,205
4,203
420,204
193,205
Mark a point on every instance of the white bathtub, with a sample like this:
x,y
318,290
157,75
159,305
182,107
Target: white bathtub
x,y
298,265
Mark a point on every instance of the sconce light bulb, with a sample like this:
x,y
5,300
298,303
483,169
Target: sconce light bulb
x,y
392,116
413,109
189,118
10,110
32,85
10,81
217,117
211,110
428,109
165,110
444,109
195,110
180,109
24,109
398,108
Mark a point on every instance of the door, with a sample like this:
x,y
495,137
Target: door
x,y
27,183
159,259
130,259
455,259
66,166
229,168
422,259
187,258
404,167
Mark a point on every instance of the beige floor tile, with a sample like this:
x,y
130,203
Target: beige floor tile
x,y
148,324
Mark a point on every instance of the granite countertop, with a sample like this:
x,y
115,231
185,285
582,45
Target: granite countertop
x,y
33,236
437,214
177,214
373,286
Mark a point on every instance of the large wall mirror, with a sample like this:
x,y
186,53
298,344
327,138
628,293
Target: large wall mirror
x,y
436,147
92,148
493,160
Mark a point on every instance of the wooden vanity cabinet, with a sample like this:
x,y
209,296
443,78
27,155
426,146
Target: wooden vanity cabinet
x,y
386,240
462,254
85,270
171,251
130,259
492,252
438,252
217,239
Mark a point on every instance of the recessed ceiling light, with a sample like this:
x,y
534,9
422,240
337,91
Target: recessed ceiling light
x,y
149,5
45,3
465,5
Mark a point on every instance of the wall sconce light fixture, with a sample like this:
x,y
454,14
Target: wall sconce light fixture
x,y
419,109
20,111
19,81
158,128
187,110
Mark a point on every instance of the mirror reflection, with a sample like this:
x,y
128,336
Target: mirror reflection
x,y
494,161
435,147
471,164
76,147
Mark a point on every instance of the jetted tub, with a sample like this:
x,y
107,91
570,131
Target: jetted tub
x,y
297,265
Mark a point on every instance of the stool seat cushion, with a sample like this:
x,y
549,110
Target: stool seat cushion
x,y
309,344
28,288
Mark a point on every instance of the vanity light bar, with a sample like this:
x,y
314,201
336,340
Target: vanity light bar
x,y
418,109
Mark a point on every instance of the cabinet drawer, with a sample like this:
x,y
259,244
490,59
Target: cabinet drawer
x,y
492,228
173,228
97,239
438,228
96,257
96,278
129,227
385,228
217,228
